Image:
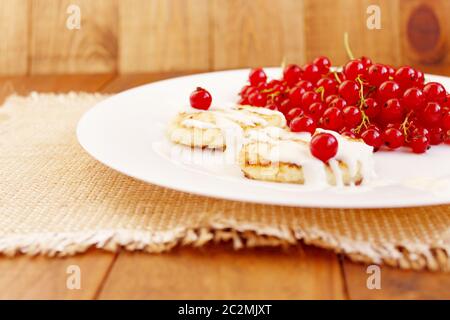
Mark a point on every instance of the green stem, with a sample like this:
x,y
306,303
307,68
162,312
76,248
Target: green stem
x,y
347,47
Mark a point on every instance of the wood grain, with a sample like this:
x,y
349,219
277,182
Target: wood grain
x,y
46,278
326,21
257,33
396,283
220,273
14,40
57,49
164,35
425,34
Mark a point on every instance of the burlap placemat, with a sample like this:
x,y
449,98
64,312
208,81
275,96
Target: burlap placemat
x,y
56,200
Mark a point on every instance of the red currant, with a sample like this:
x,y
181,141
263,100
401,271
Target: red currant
x,y
294,113
315,110
405,77
257,76
377,74
436,136
413,99
332,119
446,121
434,92
311,73
353,69
308,86
349,91
373,138
303,124
371,108
324,146
392,111
200,99
309,98
367,62
329,86
295,95
419,144
432,113
393,138
389,90
292,74
352,116
323,63
338,103
272,106
257,99
330,98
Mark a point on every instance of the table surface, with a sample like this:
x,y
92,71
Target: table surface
x,y
213,272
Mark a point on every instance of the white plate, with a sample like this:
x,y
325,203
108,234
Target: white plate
x,y
127,133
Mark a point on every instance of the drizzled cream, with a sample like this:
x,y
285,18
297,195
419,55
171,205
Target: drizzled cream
x,y
288,147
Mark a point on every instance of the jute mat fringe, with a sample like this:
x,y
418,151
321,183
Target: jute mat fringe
x,y
56,200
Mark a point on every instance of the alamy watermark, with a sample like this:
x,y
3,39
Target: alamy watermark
x,y
73,21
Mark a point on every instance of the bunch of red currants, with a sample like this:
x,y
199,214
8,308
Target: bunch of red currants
x,y
383,106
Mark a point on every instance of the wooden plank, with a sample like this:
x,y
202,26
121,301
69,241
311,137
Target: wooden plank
x,y
425,35
221,273
24,277
163,35
14,41
396,283
257,33
57,49
326,22
46,278
60,83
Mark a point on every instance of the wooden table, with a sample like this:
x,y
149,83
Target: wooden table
x,y
215,272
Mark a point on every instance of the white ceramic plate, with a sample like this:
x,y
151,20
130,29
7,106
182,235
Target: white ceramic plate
x,y
127,133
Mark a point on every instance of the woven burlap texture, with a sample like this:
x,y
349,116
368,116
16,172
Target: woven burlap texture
x,y
57,200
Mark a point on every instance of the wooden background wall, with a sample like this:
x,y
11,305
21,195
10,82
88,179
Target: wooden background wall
x,y
133,36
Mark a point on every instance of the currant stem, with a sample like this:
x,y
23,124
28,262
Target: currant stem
x,y
337,77
321,90
347,47
365,121
405,125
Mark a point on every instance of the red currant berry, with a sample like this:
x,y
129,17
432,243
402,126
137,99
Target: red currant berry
x,y
303,124
244,90
377,74
405,77
308,86
353,69
294,113
295,95
446,121
330,98
367,62
200,99
393,138
309,97
329,86
372,137
389,90
436,136
419,144
323,63
257,76
315,110
285,106
371,108
434,92
419,132
349,91
292,74
420,79
243,101
432,113
352,116
392,111
332,119
391,71
413,99
324,146
257,99
311,73
338,103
